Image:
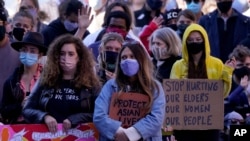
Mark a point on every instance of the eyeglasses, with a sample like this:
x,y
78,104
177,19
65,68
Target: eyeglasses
x,y
195,1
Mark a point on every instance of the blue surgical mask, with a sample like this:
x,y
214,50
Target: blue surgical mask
x,y
28,59
194,7
129,67
70,26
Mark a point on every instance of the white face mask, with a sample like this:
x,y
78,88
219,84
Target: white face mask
x,y
160,53
96,4
68,65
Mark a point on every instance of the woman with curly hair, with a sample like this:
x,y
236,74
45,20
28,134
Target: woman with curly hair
x,y
67,87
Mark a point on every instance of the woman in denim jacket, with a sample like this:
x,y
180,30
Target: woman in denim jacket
x,y
134,78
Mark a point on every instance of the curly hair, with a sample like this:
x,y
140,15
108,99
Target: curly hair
x,y
146,81
85,74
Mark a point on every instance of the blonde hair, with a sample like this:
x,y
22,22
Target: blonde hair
x,y
105,39
170,38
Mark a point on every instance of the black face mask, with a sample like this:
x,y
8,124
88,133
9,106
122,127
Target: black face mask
x,y
182,28
241,72
2,32
195,47
18,33
172,26
111,60
224,6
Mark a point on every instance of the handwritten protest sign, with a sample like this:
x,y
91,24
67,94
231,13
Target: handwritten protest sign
x,y
194,104
129,108
39,132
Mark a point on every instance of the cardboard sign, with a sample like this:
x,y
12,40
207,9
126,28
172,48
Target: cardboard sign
x,y
129,108
39,132
194,104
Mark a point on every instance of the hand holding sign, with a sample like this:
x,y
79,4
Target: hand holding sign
x,y
51,123
172,138
120,135
66,125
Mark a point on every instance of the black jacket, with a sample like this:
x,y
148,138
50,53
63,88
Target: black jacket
x,y
35,109
13,96
55,29
163,71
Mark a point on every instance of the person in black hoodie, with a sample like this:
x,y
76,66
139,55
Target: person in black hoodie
x,y
74,19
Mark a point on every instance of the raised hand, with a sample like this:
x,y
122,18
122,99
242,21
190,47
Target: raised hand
x,y
158,21
84,19
231,63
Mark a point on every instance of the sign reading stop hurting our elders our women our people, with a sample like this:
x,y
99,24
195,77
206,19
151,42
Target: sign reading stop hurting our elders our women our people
x,y
194,104
39,132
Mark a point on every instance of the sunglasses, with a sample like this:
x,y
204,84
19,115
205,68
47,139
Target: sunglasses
x,y
195,1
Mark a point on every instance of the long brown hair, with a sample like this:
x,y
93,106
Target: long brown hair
x,y
145,77
199,71
85,75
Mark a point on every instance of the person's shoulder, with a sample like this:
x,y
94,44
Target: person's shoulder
x,y
91,38
15,74
242,17
180,61
111,82
215,60
94,45
55,25
209,15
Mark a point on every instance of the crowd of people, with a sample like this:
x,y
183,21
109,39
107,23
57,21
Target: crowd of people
x,y
98,53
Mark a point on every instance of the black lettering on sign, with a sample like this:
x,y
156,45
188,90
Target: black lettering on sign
x,y
174,86
172,121
192,86
199,97
173,98
128,108
197,120
128,112
199,108
172,109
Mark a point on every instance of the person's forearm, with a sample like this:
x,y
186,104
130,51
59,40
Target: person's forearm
x,y
80,32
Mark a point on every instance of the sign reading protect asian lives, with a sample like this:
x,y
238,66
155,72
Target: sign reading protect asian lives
x,y
194,104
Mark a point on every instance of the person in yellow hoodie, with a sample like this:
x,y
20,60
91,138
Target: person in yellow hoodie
x,y
197,63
